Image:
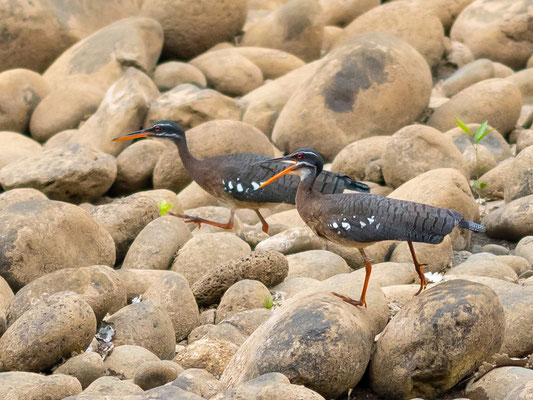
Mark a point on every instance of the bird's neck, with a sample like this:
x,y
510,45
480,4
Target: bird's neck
x,y
305,188
189,161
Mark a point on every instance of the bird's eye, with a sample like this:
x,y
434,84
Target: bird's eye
x,y
157,129
299,156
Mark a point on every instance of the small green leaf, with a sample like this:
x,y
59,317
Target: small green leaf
x,y
269,302
482,185
164,207
479,185
463,126
480,131
485,134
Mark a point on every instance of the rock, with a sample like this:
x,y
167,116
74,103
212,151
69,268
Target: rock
x,y
210,354
85,367
172,294
512,221
502,71
495,180
435,257
135,166
445,188
64,109
193,196
291,241
28,385
151,374
296,27
6,296
400,295
489,267
268,267
496,31
496,100
163,393
316,264
282,221
125,218
496,249
458,54
249,320
208,316
473,72
524,248
72,172
523,79
344,82
199,332
433,321
14,146
54,328
320,328
391,273
170,74
377,252
137,281
190,106
16,195
207,251
525,139
191,31
229,72
224,331
21,90
342,12
290,287
146,325
198,381
409,21
102,58
124,360
242,295
518,264
156,245
499,382
416,149
123,110
231,137
212,213
98,285
354,158
61,138
273,63
330,38
479,163
77,240
111,385
521,392
519,177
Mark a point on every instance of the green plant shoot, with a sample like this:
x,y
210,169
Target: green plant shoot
x,y
269,302
164,207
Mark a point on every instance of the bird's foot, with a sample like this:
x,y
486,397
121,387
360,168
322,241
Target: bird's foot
x,y
349,300
423,280
199,221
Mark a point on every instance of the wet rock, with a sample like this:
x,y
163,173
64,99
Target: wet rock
x,y
524,248
146,325
151,374
498,383
21,91
102,58
268,267
85,367
409,21
416,149
316,264
296,27
135,166
519,177
249,320
229,72
432,322
496,100
231,137
72,173
511,221
124,360
54,328
64,109
273,63
28,385
77,240
291,241
342,12
14,146
242,295
172,294
435,257
199,381
173,73
207,251
210,354
345,82
496,30
156,245
98,285
473,72
446,188
190,106
191,31
320,328
125,218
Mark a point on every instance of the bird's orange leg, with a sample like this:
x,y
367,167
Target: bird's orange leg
x,y
362,300
265,224
200,221
419,269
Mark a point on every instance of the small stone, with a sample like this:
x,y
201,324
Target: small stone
x,y
200,382
85,367
14,146
19,385
210,354
124,360
170,74
112,386
316,264
497,384
151,374
291,241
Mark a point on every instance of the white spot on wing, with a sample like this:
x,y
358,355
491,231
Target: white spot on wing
x,y
362,224
377,226
239,188
230,184
346,226
255,185
371,220
335,225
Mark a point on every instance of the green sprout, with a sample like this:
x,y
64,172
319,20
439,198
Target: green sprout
x,y
269,302
164,207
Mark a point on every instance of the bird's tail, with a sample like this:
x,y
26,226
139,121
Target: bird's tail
x,y
464,223
355,185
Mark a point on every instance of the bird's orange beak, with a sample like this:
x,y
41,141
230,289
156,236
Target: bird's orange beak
x,y
133,135
279,175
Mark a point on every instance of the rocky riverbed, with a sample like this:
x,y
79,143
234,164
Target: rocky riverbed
x,y
103,298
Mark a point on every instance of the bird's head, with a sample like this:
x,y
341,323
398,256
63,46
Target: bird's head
x,y
304,162
161,129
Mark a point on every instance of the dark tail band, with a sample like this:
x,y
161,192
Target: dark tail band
x,y
355,185
464,223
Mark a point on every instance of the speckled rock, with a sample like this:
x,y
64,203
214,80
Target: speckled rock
x,y
144,324
430,321
316,264
320,328
512,221
28,385
151,374
72,172
291,241
344,84
77,240
14,146
54,328
173,73
243,295
499,383
519,178
198,381
210,354
85,367
268,267
124,360
435,257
